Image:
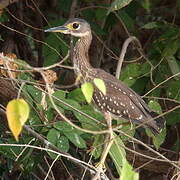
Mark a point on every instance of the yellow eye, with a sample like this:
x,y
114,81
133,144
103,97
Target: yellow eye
x,y
75,25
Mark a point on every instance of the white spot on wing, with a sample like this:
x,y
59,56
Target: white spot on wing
x,y
122,104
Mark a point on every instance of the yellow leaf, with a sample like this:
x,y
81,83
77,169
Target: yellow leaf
x,y
87,89
100,85
17,112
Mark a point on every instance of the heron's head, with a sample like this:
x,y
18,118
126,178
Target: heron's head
x,y
76,27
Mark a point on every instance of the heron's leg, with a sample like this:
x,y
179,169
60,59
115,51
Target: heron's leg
x,y
108,139
78,78
108,143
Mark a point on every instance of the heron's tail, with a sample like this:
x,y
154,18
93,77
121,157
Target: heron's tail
x,y
159,123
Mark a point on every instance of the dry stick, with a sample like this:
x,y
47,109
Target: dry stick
x,y
50,168
122,54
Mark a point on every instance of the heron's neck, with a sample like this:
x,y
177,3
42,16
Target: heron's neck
x,y
81,54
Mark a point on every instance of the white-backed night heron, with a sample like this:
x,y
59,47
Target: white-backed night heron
x,y
120,101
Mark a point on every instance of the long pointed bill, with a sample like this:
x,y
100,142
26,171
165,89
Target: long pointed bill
x,y
61,29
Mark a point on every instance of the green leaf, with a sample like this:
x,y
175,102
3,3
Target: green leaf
x,y
61,101
155,106
130,73
129,81
173,65
118,4
158,139
60,94
173,117
66,127
76,139
35,93
86,122
127,128
127,172
117,153
17,112
76,95
150,25
55,137
146,5
173,90
145,69
71,103
54,47
87,89
100,13
127,20
57,140
6,151
171,48
63,144
97,146
100,85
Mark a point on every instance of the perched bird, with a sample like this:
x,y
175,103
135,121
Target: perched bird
x,y
120,101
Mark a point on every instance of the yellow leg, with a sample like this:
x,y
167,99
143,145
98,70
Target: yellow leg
x,y
108,143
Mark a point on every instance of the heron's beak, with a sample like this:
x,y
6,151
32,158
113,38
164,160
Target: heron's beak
x,y
61,29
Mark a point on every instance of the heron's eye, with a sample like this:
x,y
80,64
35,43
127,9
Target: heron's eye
x,y
75,25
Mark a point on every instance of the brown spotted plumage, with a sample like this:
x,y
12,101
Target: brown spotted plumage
x,y
120,101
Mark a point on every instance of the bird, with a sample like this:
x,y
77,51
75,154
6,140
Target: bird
x,y
119,101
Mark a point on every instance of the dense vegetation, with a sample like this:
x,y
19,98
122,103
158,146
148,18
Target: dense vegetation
x,y
62,127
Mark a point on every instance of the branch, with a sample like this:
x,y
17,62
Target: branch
x,y
123,52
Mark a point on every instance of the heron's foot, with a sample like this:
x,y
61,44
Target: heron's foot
x,y
100,166
100,171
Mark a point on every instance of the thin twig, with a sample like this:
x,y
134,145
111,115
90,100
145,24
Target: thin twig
x,y
161,83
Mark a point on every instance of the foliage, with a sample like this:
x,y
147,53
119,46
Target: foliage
x,y
156,26
17,113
